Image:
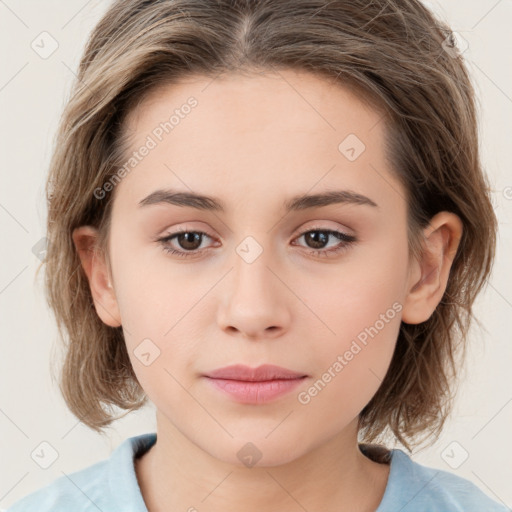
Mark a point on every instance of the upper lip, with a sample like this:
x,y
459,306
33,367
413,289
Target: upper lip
x,y
261,373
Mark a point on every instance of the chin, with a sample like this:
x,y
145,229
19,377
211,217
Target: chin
x,y
258,452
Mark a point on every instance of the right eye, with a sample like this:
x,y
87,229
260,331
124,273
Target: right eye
x,y
190,241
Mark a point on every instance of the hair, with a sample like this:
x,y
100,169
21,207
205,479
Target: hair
x,y
395,54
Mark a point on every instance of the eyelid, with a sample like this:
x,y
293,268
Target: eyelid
x,y
345,239
184,227
316,225
323,226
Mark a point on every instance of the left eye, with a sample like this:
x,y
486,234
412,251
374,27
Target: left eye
x,y
319,238
190,242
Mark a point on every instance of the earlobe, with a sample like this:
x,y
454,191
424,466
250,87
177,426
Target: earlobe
x,y
96,269
429,277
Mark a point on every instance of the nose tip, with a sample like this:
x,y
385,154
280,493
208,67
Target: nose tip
x,y
253,306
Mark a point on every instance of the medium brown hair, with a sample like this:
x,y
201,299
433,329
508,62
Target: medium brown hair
x,y
394,53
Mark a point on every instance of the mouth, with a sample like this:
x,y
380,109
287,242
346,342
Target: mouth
x,y
254,385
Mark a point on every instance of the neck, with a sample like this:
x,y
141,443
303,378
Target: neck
x,y
176,474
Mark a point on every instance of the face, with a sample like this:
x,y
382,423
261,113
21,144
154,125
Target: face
x,y
316,287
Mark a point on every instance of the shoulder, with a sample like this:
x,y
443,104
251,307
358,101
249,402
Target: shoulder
x,y
110,484
76,491
419,488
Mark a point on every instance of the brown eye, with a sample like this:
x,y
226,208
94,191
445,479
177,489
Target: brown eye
x,y
189,240
187,243
317,239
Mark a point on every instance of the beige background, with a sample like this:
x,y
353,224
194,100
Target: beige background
x,y
32,94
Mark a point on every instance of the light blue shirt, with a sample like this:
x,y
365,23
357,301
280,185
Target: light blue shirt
x,y
111,486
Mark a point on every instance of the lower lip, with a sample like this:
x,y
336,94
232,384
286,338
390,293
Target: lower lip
x,y
255,392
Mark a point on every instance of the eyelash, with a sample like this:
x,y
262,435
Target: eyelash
x,y
347,240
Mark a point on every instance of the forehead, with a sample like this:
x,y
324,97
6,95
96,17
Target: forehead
x,y
292,99
284,131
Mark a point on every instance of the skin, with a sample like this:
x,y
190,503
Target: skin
x,y
253,142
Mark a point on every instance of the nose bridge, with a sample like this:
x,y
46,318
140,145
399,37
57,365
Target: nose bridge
x,y
253,301
252,278
256,273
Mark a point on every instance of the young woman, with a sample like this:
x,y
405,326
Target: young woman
x,y
270,219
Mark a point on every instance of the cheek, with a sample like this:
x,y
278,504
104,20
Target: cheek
x,y
357,315
354,294
152,292
350,363
161,310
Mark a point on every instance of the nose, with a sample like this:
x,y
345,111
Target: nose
x,y
255,304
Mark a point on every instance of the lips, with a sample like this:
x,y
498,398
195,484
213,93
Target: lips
x,y
254,386
266,372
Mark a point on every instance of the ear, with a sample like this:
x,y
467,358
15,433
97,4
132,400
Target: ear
x,y
85,239
428,278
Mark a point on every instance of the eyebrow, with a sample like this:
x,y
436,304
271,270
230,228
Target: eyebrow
x,y
296,203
